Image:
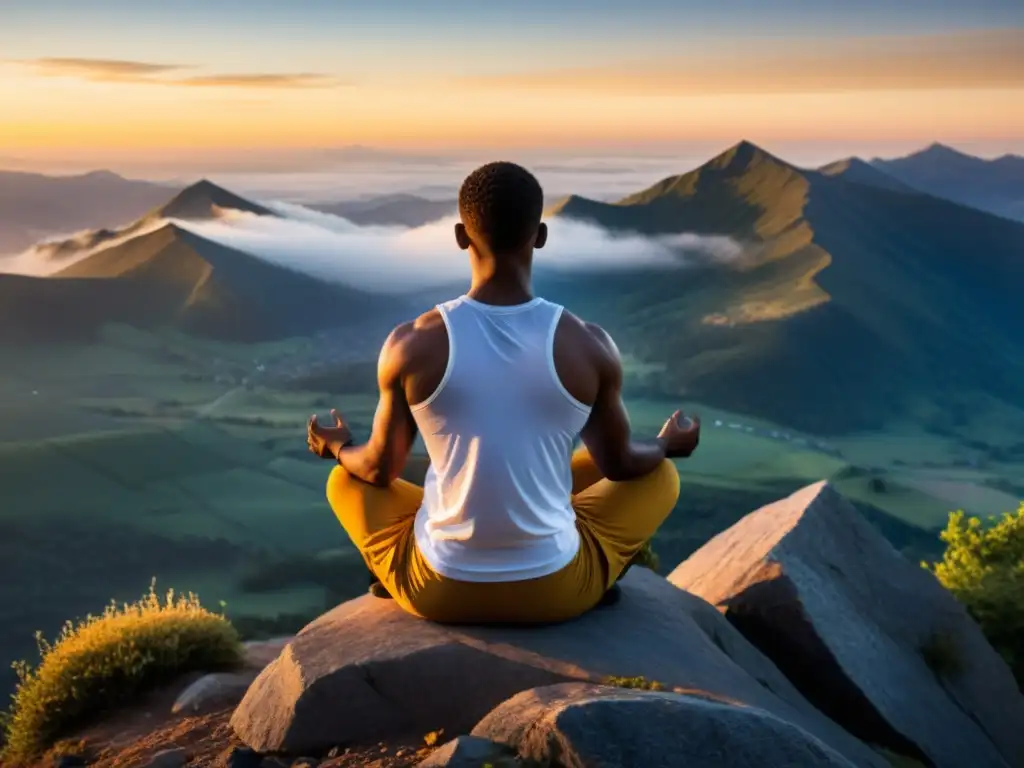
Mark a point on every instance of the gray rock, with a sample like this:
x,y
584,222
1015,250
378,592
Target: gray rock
x,y
870,638
368,671
589,726
466,752
168,758
212,691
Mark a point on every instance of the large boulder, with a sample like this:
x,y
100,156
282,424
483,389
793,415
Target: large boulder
x,y
367,671
870,638
578,725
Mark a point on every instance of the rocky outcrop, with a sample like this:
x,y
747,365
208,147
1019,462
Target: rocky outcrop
x,y
873,640
367,671
589,726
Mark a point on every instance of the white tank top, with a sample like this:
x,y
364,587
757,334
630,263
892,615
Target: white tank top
x,y
499,430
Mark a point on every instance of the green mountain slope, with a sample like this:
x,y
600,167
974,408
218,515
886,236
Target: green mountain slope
x,y
853,304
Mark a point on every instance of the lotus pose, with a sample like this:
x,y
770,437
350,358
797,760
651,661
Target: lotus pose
x,y
511,526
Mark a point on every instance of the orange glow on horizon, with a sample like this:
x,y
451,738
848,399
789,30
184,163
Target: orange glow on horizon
x,y
967,87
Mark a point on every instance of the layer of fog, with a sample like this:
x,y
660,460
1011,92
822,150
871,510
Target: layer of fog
x,y
398,259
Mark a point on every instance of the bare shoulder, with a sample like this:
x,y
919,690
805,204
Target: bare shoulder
x,y
416,354
594,340
425,335
586,359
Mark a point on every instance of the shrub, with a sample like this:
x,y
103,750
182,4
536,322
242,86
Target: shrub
x,y
984,568
639,683
107,660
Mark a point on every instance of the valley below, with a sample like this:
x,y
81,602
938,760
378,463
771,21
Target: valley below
x,y
152,455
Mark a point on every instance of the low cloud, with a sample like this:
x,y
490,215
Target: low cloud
x,y
394,259
397,259
120,71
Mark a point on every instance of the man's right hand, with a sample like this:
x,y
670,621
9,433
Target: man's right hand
x,y
680,435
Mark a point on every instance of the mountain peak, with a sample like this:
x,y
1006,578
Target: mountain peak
x,y
200,201
935,150
743,155
102,175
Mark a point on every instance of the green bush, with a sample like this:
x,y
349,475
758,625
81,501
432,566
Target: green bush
x,y
105,661
984,568
639,683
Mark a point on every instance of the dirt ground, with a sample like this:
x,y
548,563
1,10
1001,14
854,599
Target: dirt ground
x,y
130,739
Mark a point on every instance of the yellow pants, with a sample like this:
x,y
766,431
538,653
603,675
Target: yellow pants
x,y
615,520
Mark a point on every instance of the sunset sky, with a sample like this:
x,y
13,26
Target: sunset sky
x,y
188,78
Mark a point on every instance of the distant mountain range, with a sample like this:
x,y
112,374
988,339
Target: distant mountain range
x,y
33,206
392,210
996,185
154,273
857,299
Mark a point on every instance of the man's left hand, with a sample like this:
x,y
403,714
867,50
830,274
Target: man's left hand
x,y
326,441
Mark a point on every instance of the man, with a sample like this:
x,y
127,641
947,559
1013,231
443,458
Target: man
x,y
510,526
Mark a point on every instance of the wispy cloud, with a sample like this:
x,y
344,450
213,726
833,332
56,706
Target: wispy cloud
x,y
121,71
266,80
982,59
102,70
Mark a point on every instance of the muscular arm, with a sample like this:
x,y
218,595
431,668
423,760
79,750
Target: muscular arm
x,y
607,434
381,459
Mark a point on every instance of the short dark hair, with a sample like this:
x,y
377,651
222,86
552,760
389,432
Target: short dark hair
x,y
502,203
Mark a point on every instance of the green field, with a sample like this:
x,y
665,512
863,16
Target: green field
x,y
145,456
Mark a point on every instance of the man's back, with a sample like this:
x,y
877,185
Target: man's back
x,y
500,384
499,426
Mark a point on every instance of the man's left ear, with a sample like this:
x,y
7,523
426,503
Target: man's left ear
x,y
542,236
462,236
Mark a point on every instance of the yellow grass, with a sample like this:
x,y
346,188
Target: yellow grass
x,y
107,660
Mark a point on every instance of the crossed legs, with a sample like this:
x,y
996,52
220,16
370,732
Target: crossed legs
x,y
615,520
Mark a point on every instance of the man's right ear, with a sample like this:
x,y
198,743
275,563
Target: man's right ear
x,y
542,236
462,236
